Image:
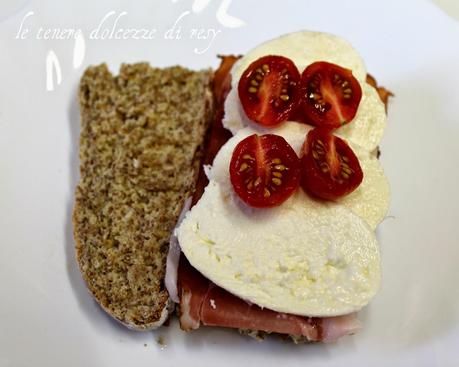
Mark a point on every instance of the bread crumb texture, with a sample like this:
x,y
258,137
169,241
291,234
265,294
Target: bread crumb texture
x,y
140,147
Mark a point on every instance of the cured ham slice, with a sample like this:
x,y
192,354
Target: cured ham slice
x,y
204,303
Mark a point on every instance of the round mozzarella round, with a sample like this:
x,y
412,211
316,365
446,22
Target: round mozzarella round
x,y
303,257
304,48
370,200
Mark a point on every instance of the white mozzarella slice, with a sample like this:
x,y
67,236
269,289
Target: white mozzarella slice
x,y
304,48
370,200
303,257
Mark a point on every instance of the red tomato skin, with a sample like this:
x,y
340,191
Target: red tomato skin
x,y
275,147
252,104
348,105
322,185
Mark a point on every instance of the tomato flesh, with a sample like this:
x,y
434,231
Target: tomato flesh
x,y
269,90
330,95
329,167
264,170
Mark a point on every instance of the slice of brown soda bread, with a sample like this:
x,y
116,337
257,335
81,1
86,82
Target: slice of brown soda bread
x,y
142,134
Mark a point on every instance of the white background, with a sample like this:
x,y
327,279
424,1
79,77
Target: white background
x,y
47,317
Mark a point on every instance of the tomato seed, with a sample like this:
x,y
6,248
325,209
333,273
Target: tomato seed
x,y
243,167
285,97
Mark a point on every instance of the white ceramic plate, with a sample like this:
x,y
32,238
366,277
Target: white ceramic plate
x,y
48,318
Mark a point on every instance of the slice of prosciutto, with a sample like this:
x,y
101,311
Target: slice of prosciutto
x,y
204,303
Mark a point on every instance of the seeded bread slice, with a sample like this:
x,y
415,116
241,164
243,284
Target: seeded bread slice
x,y
141,142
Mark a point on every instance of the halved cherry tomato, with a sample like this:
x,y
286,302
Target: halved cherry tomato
x,y
329,167
269,90
330,95
264,170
